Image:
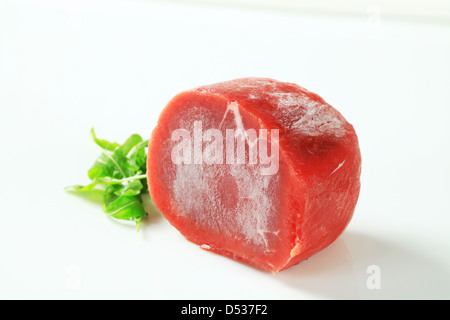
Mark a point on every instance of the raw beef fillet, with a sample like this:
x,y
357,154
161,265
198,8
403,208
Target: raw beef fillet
x,y
261,171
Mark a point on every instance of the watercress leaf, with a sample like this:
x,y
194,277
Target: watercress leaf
x,y
110,195
119,174
129,188
108,165
102,167
78,188
125,154
141,156
130,143
123,207
104,144
120,161
132,210
138,156
110,162
132,188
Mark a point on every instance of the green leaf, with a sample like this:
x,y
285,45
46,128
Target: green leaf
x,y
138,156
122,207
126,208
120,173
106,145
133,188
79,188
130,143
103,167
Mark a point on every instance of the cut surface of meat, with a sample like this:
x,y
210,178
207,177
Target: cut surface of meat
x,y
262,171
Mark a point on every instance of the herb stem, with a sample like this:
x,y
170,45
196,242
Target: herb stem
x,y
137,177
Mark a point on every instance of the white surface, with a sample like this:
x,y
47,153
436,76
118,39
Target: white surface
x,y
404,9
67,66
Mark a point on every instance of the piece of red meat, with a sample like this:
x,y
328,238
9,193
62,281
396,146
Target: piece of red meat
x,y
271,215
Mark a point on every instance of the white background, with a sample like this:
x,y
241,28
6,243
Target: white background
x,y
66,66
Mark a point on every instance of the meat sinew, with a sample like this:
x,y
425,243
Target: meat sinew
x,y
262,171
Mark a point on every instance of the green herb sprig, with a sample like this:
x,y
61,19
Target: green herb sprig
x,y
120,173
